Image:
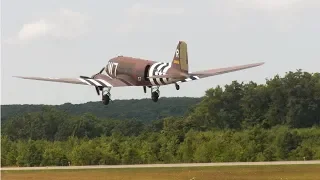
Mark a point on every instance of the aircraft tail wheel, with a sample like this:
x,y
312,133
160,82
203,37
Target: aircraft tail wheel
x,y
177,86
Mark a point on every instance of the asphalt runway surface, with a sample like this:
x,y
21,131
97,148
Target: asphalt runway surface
x,y
162,165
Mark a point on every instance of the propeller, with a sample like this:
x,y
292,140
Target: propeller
x,y
98,89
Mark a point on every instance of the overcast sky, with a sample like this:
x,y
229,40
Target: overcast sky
x,y
77,37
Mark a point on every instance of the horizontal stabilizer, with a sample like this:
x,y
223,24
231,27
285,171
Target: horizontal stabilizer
x,y
179,75
167,76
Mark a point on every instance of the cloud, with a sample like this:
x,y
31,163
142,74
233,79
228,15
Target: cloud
x,y
270,4
138,12
144,9
32,30
62,24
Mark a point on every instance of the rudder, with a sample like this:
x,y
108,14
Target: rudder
x,y
180,58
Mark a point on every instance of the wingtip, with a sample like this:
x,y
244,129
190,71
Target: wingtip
x,y
259,64
18,76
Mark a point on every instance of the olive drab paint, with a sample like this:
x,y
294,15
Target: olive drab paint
x,y
180,58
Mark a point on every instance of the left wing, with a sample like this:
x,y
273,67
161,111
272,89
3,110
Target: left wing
x,y
213,72
100,81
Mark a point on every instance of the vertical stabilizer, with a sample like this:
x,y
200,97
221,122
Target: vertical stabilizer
x,y
180,58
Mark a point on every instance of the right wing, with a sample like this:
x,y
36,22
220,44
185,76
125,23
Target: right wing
x,y
213,72
100,81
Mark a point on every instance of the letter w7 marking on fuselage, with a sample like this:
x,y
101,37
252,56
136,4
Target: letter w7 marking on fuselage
x,y
112,68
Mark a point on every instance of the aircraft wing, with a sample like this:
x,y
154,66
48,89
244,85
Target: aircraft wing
x,y
213,72
101,81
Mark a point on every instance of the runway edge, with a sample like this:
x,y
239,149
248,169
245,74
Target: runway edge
x,y
162,165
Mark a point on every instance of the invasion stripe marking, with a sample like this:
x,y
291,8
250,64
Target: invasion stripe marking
x,y
127,83
166,80
84,81
193,78
189,79
165,72
151,73
106,82
89,82
160,72
95,82
103,83
154,73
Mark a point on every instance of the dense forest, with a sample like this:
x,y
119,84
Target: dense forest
x,y
278,120
144,109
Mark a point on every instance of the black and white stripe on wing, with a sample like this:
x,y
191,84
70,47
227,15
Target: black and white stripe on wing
x,y
88,82
191,78
95,82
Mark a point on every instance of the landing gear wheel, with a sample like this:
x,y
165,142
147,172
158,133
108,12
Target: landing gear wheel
x,y
177,86
106,95
155,96
155,93
105,99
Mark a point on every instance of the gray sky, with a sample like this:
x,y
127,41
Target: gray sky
x,y
77,37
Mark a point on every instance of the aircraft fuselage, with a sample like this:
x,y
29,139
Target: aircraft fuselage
x,y
135,71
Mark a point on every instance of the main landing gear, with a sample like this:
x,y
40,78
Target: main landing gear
x,y
155,93
106,95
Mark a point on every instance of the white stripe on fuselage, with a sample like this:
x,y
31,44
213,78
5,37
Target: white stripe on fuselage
x,y
158,73
165,72
151,73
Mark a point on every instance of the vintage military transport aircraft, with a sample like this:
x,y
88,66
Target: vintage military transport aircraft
x,y
123,71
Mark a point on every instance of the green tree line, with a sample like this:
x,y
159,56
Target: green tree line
x,y
278,120
255,144
143,109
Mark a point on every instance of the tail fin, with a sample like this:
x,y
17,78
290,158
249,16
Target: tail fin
x,y
180,58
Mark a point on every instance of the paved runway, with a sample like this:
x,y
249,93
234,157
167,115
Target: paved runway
x,y
162,165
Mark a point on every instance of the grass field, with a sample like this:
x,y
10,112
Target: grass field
x,y
276,172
